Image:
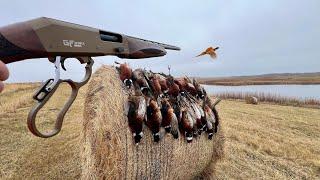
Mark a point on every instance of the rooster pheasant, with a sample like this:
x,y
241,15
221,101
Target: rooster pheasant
x,y
210,51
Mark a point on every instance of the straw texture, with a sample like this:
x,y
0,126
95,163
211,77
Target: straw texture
x,y
109,151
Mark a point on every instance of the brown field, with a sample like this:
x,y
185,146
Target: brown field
x,y
268,79
262,141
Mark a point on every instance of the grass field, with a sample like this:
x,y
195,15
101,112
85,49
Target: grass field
x,y
262,141
270,141
267,79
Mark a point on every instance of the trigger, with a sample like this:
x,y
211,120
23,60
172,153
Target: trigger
x,y
62,64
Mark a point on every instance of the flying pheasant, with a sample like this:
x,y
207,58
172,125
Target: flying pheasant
x,y
210,51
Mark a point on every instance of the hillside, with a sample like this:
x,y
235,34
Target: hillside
x,y
266,79
262,141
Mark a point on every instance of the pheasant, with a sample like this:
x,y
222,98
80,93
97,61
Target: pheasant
x,y
210,51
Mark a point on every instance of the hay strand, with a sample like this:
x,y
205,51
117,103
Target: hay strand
x,y
109,151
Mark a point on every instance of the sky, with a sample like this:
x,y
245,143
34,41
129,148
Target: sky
x,y
255,37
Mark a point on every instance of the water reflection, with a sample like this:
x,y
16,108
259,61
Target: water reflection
x,y
297,91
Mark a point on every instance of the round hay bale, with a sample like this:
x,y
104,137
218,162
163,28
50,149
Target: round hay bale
x,y
251,100
109,151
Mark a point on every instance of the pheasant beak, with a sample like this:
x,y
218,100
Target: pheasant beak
x,y
216,48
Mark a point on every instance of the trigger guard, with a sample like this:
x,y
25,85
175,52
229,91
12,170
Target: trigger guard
x,y
62,61
88,68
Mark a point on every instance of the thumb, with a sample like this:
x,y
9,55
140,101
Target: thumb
x,y
1,86
4,72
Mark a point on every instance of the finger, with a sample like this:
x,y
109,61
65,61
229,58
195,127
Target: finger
x,y
4,72
1,86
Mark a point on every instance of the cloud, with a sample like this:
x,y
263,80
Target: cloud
x,y
255,36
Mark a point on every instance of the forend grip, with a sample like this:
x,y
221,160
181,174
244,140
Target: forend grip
x,y
10,52
19,42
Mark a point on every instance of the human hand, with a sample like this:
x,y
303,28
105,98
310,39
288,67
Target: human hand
x,y
4,74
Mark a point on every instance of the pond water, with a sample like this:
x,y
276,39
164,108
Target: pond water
x,y
297,91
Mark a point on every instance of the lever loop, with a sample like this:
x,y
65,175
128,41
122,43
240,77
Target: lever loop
x,y
45,93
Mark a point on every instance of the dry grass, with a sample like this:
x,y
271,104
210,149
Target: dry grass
x,y
24,156
270,142
16,96
267,79
264,141
272,98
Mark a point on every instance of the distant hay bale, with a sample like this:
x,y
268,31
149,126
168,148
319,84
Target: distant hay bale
x,y
251,100
109,151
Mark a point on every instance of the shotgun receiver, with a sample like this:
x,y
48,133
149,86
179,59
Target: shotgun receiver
x,y
58,40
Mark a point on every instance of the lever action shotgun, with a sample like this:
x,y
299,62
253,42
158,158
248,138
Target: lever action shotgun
x,y
58,40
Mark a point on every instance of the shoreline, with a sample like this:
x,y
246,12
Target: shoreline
x,y
270,99
264,79
256,83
